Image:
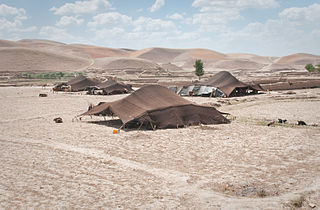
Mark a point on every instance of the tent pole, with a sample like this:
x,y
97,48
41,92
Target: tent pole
x,y
153,128
122,126
140,126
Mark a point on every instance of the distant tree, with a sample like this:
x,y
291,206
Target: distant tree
x,y
198,65
318,67
310,67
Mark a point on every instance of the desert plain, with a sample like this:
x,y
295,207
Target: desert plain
x,y
81,163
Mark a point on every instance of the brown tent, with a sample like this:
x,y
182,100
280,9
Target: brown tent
x,y
78,83
111,86
159,107
230,85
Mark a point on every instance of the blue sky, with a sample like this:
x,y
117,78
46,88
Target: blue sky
x,y
262,27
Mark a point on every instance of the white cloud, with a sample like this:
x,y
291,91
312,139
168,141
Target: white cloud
x,y
296,30
69,20
157,5
82,7
209,5
59,34
110,19
175,16
6,10
222,11
302,15
152,25
11,20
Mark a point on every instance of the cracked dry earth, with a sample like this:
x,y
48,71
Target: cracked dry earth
x,y
82,164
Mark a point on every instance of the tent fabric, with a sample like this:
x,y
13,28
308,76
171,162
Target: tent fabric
x,y
112,87
201,90
78,83
160,107
227,83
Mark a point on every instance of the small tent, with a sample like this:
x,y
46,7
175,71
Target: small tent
x,y
78,83
110,87
230,85
159,107
201,90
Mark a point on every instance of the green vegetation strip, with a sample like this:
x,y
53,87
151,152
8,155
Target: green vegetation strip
x,y
51,75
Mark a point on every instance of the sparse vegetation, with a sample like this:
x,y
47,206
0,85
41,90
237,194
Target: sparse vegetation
x,y
52,75
198,65
312,68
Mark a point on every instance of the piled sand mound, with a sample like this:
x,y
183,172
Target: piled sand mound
x,y
187,59
171,67
28,60
80,50
126,64
54,47
6,43
299,59
159,55
236,65
100,52
252,57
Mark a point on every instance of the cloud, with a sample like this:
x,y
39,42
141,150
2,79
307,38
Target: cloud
x,y
302,15
151,25
222,11
296,30
110,19
157,5
59,34
69,20
6,10
14,26
82,7
11,20
175,16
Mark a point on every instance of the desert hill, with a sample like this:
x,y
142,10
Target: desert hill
x,y
148,65
18,59
299,59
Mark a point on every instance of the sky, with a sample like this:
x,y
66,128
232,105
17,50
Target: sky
x,y
262,27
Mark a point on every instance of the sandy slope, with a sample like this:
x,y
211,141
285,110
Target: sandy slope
x,y
299,59
81,164
183,58
29,60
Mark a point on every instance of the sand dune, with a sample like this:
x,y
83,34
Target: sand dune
x,y
119,63
30,60
159,55
100,52
93,59
252,57
6,43
299,59
237,65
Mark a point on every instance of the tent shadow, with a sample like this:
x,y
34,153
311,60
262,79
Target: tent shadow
x,y
117,123
114,123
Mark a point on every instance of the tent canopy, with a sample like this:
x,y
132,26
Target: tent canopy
x,y
160,107
111,86
228,84
78,83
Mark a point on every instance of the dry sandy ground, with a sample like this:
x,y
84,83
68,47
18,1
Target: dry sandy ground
x,y
82,164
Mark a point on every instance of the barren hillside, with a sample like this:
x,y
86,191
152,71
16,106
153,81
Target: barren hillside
x,y
15,59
